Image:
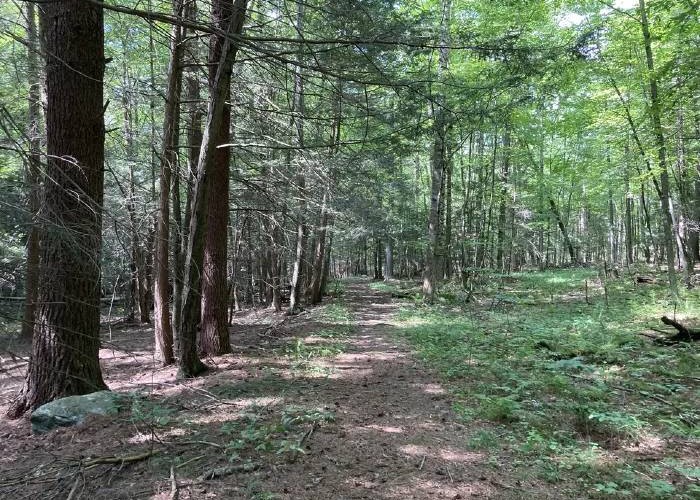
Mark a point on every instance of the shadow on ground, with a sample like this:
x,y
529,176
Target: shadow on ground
x,y
313,409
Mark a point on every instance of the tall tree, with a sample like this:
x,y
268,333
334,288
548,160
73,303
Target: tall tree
x,y
438,160
298,108
189,363
168,165
64,358
665,189
214,335
33,171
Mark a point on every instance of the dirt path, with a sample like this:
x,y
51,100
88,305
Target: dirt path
x,y
392,435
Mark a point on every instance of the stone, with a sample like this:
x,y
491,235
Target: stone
x,y
72,410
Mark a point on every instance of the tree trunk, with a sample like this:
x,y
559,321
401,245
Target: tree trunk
x,y
168,164
502,207
437,162
214,335
33,172
388,259
64,359
655,112
194,141
319,253
189,363
295,293
562,228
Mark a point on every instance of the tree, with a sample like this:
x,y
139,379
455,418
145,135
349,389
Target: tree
x,y
168,164
189,363
64,359
214,337
438,161
33,171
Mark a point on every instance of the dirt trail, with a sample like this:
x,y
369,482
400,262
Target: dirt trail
x,y
393,435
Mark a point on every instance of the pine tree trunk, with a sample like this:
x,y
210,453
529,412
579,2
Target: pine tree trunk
x,y
64,359
437,164
214,335
189,363
297,281
194,142
33,173
171,135
319,253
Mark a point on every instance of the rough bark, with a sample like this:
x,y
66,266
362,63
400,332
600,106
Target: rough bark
x,y
298,119
189,363
214,335
168,164
64,358
437,163
194,141
32,172
319,253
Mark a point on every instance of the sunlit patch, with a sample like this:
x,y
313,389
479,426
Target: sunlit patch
x,y
647,444
448,454
386,428
432,388
419,487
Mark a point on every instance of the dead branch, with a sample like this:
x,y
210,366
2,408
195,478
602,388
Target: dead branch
x,y
684,334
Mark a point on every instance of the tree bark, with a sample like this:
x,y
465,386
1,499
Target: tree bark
x,y
64,359
168,164
319,253
194,141
655,113
214,335
189,363
562,228
298,119
437,162
33,172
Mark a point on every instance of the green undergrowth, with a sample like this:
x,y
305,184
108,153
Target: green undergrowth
x,y
334,324
567,388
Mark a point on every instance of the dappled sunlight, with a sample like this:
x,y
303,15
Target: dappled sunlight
x,y
415,487
648,445
447,454
431,388
384,428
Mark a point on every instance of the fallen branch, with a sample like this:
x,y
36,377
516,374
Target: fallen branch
x,y
684,334
174,490
124,459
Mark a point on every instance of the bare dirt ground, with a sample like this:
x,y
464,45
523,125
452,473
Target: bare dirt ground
x,y
276,419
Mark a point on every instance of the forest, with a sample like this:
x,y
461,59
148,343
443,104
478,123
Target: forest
x,y
295,249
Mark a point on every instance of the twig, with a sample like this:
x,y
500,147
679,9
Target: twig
x,y
449,473
422,463
174,490
71,494
208,443
179,466
119,460
306,436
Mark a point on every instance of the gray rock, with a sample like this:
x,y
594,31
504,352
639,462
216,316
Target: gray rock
x,y
72,410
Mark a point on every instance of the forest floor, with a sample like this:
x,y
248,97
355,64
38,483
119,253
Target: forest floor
x,y
369,397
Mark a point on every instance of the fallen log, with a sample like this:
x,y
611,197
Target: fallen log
x,y
684,334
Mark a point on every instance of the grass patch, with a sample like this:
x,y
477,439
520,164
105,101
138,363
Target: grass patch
x,y
566,382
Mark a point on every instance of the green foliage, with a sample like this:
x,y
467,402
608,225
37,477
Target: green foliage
x,y
282,436
566,383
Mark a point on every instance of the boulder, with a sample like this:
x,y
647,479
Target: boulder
x,y
72,410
